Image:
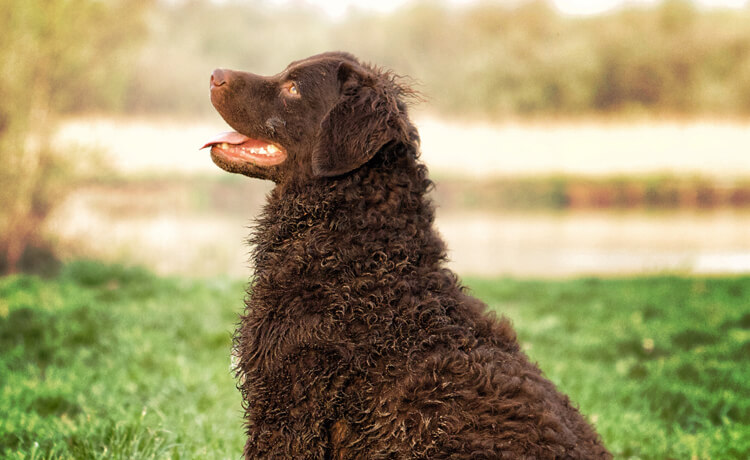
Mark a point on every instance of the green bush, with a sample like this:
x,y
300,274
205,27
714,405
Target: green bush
x,y
572,192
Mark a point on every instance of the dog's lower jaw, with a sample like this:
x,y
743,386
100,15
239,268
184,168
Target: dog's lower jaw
x,y
248,169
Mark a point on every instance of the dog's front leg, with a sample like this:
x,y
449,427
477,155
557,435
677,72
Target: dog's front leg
x,y
281,443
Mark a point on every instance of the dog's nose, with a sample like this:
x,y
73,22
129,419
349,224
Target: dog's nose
x,y
218,78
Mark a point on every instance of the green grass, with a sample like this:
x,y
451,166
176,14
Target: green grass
x,y
659,364
106,362
110,362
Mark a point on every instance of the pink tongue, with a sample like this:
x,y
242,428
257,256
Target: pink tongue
x,y
230,137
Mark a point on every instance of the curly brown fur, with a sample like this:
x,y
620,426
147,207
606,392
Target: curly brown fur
x,y
356,341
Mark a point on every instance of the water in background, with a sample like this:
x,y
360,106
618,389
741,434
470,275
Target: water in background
x,y
170,228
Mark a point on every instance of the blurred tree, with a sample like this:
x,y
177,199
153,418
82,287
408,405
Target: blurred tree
x,y
57,55
495,59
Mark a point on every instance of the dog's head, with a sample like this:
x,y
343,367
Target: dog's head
x,y
323,116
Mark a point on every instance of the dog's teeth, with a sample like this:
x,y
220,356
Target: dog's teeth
x,y
224,145
272,149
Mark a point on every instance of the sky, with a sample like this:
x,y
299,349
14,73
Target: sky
x,y
338,8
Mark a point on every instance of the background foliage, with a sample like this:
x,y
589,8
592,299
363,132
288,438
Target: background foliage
x,y
56,56
488,59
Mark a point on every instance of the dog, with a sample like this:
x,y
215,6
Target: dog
x,y
356,341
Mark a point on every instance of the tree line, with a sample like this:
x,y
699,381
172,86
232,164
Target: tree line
x,y
489,60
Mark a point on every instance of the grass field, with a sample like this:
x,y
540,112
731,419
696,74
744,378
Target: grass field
x,y
111,362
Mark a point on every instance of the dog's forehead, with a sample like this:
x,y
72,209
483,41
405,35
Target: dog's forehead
x,y
335,56
319,63
311,65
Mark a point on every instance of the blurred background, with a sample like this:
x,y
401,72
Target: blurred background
x,y
601,148
566,137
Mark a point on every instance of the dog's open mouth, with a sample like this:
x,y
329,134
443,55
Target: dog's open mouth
x,y
234,146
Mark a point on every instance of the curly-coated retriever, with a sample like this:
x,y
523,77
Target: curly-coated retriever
x,y
356,340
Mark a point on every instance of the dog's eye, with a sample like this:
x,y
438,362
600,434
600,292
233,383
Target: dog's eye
x,y
291,88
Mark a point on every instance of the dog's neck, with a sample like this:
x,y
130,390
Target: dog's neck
x,y
373,223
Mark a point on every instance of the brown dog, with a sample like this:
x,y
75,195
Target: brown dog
x,y
356,341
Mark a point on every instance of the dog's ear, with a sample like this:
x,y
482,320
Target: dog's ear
x,y
367,116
